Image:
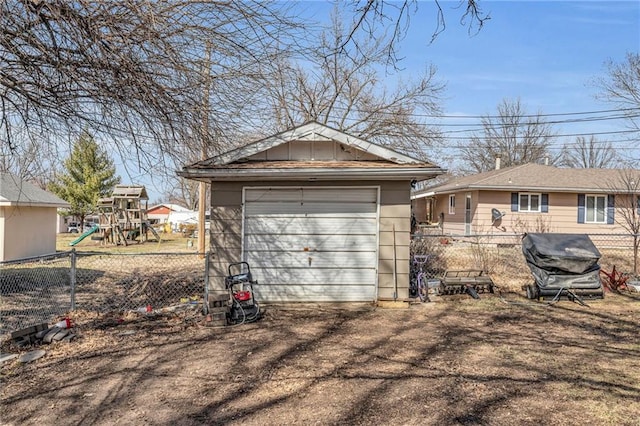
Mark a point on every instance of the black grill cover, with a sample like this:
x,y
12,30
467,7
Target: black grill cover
x,y
562,260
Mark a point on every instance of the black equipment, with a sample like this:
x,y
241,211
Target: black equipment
x,y
244,308
562,265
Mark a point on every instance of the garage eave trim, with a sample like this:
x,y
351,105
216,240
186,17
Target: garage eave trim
x,y
311,173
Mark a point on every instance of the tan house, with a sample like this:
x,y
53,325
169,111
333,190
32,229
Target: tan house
x,y
320,215
28,219
532,197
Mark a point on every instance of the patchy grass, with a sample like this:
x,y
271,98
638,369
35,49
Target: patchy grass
x,y
169,243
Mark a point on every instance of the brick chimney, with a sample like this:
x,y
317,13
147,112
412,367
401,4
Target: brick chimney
x,y
498,157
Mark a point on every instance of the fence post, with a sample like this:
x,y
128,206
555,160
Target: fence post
x,y
205,302
72,279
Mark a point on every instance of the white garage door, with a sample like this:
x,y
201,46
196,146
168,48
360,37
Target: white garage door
x,y
312,244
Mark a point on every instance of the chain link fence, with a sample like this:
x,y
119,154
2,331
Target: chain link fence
x,y
34,290
42,289
38,290
500,255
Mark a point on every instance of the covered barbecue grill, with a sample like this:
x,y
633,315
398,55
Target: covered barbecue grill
x,y
562,265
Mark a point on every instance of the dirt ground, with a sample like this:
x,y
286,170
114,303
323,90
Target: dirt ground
x,y
500,360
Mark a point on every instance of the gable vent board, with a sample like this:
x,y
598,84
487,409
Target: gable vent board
x,y
312,244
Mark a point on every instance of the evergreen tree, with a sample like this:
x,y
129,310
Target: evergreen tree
x,y
89,174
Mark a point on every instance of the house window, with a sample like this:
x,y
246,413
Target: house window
x,y
596,209
452,204
529,202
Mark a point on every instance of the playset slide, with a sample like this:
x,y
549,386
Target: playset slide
x,y
93,229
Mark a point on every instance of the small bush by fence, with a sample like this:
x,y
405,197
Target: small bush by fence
x,y
501,256
40,289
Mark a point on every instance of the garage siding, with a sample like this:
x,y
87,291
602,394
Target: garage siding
x,y
395,224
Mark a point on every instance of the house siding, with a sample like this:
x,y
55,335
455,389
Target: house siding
x,y
562,215
27,231
452,223
395,212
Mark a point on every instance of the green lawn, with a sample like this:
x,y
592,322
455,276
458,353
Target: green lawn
x,y
169,243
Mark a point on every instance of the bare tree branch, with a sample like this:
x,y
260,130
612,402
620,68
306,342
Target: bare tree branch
x,y
627,202
589,154
344,91
621,86
375,17
128,71
513,135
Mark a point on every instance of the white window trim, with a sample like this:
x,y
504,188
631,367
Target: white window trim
x,y
529,194
452,204
586,208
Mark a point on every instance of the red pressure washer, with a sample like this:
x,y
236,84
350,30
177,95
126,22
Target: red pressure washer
x,y
239,282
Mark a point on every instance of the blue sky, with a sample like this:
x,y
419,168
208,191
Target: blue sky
x,y
546,53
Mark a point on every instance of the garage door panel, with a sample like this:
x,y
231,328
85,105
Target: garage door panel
x,y
338,243
312,244
313,276
315,259
323,195
337,207
309,225
285,215
311,293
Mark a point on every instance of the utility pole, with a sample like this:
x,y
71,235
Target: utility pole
x,y
202,199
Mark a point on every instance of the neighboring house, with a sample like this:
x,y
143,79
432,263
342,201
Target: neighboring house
x,y
182,218
171,216
313,211
529,198
28,219
159,214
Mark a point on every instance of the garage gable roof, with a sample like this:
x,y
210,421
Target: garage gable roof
x,y
312,131
16,192
311,150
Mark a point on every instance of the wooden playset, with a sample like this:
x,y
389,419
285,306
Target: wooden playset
x,y
123,216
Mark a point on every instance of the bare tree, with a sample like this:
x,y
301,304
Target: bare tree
x,y
128,71
513,135
621,87
627,202
589,154
29,161
345,92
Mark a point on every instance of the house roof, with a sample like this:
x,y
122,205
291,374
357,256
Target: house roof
x,y
172,207
15,192
378,163
537,177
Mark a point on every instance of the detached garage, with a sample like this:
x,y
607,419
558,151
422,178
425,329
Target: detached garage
x,y
321,216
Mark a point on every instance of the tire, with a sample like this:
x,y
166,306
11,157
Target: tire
x,y
423,291
528,291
